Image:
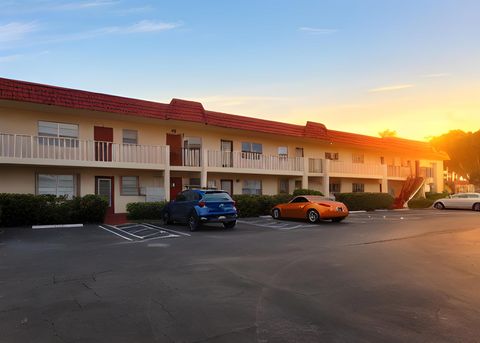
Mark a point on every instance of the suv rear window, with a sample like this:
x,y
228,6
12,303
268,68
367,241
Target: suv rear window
x,y
218,196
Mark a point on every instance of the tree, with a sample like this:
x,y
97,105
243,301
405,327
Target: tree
x,y
464,151
387,133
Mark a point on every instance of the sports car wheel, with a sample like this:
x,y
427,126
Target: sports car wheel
x,y
439,206
476,207
276,213
193,222
312,216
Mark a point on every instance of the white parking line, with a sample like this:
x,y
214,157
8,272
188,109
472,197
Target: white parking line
x,y
167,230
115,233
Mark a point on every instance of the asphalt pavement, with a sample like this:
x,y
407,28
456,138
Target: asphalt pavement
x,y
394,276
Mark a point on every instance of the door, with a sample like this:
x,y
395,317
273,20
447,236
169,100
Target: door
x,y
226,148
175,186
103,137
175,143
227,185
295,208
104,188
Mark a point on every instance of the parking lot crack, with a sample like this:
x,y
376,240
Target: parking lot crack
x,y
90,288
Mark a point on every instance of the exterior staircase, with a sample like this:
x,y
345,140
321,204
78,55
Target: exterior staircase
x,y
411,186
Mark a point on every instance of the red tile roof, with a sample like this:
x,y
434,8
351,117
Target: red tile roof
x,y
192,111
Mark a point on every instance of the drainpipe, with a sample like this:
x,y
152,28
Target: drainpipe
x,y
166,173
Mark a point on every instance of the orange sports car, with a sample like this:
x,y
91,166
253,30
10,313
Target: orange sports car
x,y
312,208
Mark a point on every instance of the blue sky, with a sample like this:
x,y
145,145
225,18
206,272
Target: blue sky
x,y
361,66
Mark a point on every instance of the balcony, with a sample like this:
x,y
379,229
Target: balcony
x,y
349,169
249,162
315,165
185,157
398,172
24,149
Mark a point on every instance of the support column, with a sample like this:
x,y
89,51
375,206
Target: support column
x,y
203,173
384,179
305,173
166,173
326,177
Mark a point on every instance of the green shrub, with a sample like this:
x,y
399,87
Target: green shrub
x,y
29,209
145,210
420,203
365,201
258,205
436,196
303,191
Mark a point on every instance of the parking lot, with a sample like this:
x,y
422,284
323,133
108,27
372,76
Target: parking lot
x,y
391,276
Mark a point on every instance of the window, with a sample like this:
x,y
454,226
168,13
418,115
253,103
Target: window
x,y
129,185
283,186
334,187
282,151
212,184
298,152
358,187
298,184
252,187
299,199
192,143
194,182
130,136
56,185
357,158
252,147
331,155
55,131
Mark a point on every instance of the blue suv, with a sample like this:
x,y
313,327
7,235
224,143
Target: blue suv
x,y
197,206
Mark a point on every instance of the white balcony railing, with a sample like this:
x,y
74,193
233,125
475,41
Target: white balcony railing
x,y
399,171
70,149
315,165
248,160
360,169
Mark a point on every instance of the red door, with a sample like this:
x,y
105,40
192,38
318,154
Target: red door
x,y
175,143
175,187
103,137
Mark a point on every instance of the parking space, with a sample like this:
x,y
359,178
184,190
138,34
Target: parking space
x,y
267,222
142,231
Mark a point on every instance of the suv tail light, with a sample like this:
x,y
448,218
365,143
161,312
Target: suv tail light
x,y
201,204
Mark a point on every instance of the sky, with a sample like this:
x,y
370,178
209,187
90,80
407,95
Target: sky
x,y
363,66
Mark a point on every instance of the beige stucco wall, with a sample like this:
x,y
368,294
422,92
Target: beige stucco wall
x,y
23,119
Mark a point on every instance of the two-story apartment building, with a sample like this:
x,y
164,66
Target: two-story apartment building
x,y
64,141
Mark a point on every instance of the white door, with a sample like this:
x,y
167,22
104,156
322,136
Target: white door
x,y
104,189
227,185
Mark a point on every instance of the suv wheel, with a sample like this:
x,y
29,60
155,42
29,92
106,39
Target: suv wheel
x,y
230,225
439,206
166,218
193,221
476,207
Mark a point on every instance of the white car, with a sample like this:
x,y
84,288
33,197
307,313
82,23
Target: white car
x,y
467,201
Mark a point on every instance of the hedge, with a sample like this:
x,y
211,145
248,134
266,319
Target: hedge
x,y
436,196
145,210
365,201
420,203
303,191
258,205
29,209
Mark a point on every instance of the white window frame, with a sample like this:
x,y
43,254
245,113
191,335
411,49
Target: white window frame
x,y
331,156
130,191
358,187
358,157
248,189
283,151
57,184
130,140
